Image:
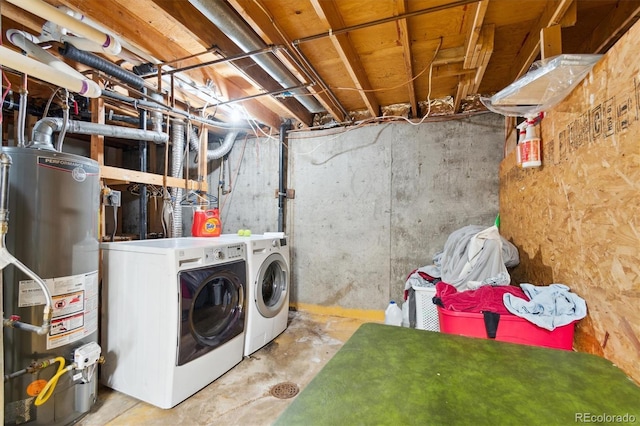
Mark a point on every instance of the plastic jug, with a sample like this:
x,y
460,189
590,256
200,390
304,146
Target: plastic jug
x,y
206,223
405,314
393,314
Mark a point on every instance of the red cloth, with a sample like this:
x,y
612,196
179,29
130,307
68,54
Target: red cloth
x,y
486,298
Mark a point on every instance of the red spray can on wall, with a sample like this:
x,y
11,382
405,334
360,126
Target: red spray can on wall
x,y
206,223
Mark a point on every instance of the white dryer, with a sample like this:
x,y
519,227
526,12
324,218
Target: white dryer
x,y
173,316
267,288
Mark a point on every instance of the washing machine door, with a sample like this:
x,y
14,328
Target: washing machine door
x,y
211,307
272,286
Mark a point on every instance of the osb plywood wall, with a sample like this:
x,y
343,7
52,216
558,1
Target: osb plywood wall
x,y
576,220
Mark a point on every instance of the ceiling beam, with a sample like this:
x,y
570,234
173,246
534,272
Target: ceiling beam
x,y
209,36
256,15
329,14
400,8
143,32
472,37
478,44
615,23
552,14
488,39
25,19
550,41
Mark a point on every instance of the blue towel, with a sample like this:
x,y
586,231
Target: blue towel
x,y
550,306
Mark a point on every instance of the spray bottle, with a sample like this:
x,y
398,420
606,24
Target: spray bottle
x,y
519,140
530,146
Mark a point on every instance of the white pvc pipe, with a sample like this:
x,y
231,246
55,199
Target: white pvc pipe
x,y
24,64
134,60
25,41
51,13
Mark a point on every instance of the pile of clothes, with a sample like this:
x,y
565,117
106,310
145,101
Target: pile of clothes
x,y
471,275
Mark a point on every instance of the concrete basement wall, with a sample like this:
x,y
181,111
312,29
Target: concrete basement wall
x,y
371,203
375,202
576,220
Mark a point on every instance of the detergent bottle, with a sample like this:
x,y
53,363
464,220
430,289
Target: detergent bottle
x,y
206,223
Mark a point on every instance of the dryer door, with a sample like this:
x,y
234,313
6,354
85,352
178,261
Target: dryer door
x,y
211,308
272,286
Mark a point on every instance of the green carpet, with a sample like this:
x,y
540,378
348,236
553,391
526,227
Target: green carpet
x,y
386,375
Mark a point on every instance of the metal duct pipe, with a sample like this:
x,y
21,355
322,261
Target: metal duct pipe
x,y
177,139
223,17
224,148
71,52
154,105
156,116
219,152
43,131
282,174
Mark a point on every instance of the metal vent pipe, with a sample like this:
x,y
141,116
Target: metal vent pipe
x,y
177,140
223,17
43,131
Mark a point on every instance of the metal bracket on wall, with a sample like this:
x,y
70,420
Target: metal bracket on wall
x,y
290,194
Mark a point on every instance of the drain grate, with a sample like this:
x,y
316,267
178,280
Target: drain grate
x,y
284,390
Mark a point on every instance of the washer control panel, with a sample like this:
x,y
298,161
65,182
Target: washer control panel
x,y
230,252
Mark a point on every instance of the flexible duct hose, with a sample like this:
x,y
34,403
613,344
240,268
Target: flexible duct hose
x,y
221,151
177,138
71,52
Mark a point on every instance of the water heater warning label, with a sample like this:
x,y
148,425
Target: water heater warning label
x,y
75,306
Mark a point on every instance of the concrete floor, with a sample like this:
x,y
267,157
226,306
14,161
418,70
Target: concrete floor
x,y
242,395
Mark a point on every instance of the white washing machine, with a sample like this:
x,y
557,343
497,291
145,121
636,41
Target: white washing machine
x,y
173,315
267,287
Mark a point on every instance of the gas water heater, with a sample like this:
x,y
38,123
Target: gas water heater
x,y
53,199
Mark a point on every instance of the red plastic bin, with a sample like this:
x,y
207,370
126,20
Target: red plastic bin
x,y
511,328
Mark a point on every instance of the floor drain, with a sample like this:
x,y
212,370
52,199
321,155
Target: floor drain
x,y
285,390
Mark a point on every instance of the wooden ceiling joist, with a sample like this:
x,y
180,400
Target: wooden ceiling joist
x,y
488,39
255,13
478,49
616,21
209,35
328,13
552,14
405,41
474,34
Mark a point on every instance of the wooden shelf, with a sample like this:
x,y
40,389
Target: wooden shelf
x,y
117,176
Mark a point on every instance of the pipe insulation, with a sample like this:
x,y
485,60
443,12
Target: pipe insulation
x,y
44,72
177,149
225,18
71,52
44,129
50,13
